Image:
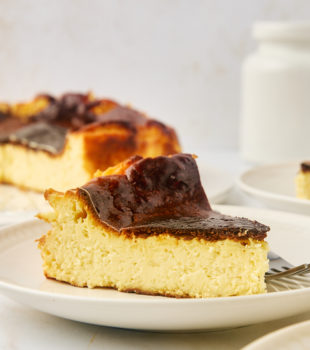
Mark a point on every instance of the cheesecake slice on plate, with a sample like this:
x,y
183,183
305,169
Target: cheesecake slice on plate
x,y
146,226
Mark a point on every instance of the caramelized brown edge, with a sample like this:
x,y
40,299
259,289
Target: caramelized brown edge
x,y
132,233
305,167
34,149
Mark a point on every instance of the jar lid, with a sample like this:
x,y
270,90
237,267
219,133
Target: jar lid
x,y
286,30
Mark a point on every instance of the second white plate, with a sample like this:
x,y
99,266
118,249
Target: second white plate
x,y
274,186
295,337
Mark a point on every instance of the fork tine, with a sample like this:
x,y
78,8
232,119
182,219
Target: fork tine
x,y
307,270
275,270
298,270
302,269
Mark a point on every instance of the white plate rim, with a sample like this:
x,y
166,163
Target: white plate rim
x,y
256,344
10,217
241,182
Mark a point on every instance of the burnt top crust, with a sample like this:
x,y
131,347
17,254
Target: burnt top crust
x,y
305,166
214,227
47,127
163,194
41,136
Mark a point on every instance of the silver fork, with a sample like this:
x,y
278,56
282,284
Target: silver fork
x,y
278,267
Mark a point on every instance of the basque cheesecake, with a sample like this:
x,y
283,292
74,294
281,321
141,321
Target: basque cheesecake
x,y
302,181
146,226
61,142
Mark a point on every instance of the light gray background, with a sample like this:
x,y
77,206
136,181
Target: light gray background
x,y
178,60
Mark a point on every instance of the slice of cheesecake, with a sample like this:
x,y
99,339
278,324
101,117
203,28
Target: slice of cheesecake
x,y
61,142
146,226
302,181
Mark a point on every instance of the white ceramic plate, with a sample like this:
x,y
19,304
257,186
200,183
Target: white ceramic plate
x,y
21,279
295,337
274,186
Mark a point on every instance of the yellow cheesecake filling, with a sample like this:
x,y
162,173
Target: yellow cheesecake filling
x,y
82,252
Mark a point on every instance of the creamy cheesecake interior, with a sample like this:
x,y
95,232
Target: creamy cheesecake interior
x,y
146,226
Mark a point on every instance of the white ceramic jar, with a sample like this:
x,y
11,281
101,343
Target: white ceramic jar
x,y
275,103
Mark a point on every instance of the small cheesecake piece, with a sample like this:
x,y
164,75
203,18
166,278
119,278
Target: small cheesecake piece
x,y
302,181
61,142
146,226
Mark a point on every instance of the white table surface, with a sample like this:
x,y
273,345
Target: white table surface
x,y
22,328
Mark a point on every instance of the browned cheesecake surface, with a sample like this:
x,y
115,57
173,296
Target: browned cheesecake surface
x,y
61,142
163,194
305,166
45,128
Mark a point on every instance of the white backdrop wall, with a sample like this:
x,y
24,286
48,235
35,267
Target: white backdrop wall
x,y
177,60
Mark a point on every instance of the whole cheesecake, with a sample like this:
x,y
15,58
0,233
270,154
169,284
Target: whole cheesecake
x,y
146,226
61,142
